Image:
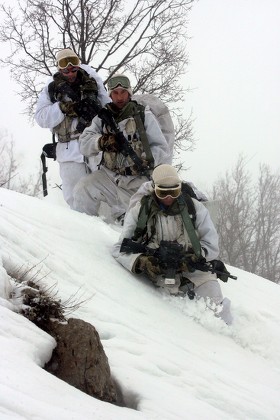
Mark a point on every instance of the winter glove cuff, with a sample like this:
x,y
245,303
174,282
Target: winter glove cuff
x,y
149,265
108,143
68,108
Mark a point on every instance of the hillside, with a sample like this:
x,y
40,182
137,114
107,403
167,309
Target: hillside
x,y
169,354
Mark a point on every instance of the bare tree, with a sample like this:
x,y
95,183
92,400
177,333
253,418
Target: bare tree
x,y
248,220
147,38
236,217
10,174
267,238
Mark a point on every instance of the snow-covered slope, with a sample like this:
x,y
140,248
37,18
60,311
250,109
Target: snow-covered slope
x,y
169,354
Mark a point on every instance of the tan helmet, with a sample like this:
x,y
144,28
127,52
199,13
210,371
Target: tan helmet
x,y
119,80
166,176
67,57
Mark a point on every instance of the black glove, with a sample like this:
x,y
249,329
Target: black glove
x,y
119,137
90,87
62,87
220,266
106,115
149,265
108,143
86,108
82,124
191,261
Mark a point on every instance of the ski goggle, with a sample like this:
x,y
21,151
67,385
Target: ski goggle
x,y
116,81
71,70
163,192
65,62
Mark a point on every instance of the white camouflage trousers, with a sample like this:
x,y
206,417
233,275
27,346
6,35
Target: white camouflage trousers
x,y
105,186
206,286
70,174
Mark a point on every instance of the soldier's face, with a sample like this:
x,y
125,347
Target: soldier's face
x,y
167,201
120,97
166,195
70,73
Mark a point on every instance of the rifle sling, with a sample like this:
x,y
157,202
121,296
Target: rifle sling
x,y
44,178
143,136
143,217
189,226
45,168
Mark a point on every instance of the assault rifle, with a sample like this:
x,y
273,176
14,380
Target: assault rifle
x,y
125,148
171,255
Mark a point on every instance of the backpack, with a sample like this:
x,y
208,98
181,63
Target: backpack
x,y
162,114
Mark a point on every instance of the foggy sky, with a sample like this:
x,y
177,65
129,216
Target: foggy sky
x,y
234,76
234,79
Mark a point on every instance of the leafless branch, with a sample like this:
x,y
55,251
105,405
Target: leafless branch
x,y
145,38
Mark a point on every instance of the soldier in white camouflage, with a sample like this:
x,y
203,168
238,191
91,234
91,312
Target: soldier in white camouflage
x,y
119,177
65,106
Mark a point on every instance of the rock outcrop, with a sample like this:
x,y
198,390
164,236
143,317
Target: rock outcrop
x,y
79,359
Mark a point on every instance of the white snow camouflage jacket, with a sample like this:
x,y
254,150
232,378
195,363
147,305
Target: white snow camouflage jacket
x,y
158,144
169,228
49,115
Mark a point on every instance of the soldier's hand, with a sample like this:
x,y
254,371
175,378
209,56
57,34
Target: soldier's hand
x,y
220,266
149,265
86,109
68,108
190,260
108,143
59,79
62,87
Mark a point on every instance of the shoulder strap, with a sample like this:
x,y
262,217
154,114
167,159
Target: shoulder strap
x,y
191,207
143,216
88,83
184,210
141,110
187,189
139,116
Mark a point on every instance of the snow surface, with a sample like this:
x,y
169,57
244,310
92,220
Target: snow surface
x,y
172,358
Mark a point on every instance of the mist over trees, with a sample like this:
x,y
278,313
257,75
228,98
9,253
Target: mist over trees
x,y
144,38
11,176
249,220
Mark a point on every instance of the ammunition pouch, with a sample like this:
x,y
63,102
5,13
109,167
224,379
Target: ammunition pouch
x,y
64,130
